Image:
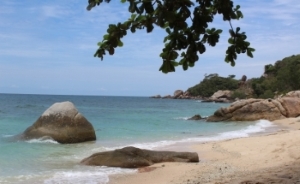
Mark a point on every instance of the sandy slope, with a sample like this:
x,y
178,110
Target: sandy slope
x,y
271,158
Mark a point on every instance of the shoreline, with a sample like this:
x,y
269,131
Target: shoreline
x,y
265,158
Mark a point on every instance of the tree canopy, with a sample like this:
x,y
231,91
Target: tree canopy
x,y
212,83
187,26
280,78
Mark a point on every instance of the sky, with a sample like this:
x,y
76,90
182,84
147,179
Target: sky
x,y
47,47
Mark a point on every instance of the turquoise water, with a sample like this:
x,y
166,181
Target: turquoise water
x,y
118,121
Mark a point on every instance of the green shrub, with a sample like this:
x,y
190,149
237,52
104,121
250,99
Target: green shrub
x,y
238,94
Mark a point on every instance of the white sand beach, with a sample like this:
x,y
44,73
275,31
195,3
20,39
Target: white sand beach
x,y
272,158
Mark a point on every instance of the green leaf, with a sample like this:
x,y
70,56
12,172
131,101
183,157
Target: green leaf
x,y
219,31
174,63
106,37
131,7
185,66
133,16
240,14
249,53
168,30
231,40
123,1
166,39
111,51
148,7
251,49
132,29
140,18
120,43
191,64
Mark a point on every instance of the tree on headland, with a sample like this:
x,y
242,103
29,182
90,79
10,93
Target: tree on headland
x,y
187,25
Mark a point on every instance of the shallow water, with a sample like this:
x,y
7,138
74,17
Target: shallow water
x,y
118,121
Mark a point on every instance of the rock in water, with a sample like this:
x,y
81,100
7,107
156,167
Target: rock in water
x,y
63,123
131,157
196,117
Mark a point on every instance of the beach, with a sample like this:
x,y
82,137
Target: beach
x,y
262,158
228,151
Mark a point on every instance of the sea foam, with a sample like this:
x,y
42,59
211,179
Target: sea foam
x,y
87,175
259,127
42,140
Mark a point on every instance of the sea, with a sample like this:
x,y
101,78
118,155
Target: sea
x,y
143,122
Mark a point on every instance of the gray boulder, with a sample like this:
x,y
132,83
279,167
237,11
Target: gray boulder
x,y
63,123
131,157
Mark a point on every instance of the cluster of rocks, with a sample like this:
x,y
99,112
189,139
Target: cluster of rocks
x,y
221,96
255,109
178,94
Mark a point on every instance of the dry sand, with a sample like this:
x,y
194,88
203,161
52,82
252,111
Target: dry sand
x,y
273,158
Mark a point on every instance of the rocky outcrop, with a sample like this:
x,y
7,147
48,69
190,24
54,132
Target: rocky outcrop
x,y
63,123
167,96
195,117
221,96
131,157
293,94
156,96
177,93
255,109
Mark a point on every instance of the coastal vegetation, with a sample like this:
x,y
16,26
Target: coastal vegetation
x,y
280,78
212,83
277,79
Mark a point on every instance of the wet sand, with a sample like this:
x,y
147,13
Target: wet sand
x,y
271,158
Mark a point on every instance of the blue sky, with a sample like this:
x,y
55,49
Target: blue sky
x,y
47,47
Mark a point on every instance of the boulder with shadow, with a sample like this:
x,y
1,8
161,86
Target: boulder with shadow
x,y
63,123
131,157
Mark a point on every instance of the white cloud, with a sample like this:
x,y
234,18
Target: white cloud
x,y
55,40
54,11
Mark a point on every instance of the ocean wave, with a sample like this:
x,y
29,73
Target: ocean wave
x,y
182,118
43,140
258,127
25,106
99,175
5,136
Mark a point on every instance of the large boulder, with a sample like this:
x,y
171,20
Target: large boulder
x,y
131,157
177,93
255,109
63,123
221,94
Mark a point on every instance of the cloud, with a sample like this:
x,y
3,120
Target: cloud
x,y
54,11
48,46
